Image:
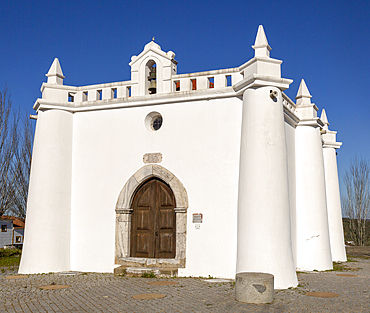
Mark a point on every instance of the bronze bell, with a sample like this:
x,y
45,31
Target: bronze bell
x,y
152,87
152,73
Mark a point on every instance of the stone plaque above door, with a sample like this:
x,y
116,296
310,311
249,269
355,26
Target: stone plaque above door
x,y
152,158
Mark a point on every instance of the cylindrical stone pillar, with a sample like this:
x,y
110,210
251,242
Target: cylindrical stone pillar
x,y
313,244
254,287
47,236
264,231
338,251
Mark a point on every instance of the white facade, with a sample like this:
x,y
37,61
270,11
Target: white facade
x,y
232,146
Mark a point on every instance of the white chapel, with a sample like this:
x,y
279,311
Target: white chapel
x,y
208,173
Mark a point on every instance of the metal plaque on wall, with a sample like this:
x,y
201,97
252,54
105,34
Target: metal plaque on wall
x,y
197,218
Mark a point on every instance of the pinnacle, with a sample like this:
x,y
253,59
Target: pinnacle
x,y
303,95
261,45
324,119
55,69
261,39
303,91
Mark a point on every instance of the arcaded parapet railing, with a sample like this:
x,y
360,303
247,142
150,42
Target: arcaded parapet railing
x,y
104,91
289,110
82,95
63,93
206,80
288,103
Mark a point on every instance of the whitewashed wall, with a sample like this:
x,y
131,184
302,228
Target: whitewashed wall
x,y
290,140
108,148
47,231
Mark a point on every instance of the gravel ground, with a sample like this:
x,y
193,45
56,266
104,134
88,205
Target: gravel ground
x,y
93,292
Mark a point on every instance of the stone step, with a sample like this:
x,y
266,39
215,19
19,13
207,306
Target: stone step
x,y
150,262
138,271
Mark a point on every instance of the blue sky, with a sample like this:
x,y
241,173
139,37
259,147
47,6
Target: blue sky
x,y
325,42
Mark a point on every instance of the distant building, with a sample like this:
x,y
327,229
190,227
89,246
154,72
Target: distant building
x,y
11,231
210,173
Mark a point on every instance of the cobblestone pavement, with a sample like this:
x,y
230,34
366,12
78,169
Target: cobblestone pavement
x,y
92,292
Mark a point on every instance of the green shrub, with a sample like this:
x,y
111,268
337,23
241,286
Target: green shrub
x,y
148,275
10,257
10,252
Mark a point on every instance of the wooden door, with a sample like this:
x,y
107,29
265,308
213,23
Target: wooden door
x,y
153,221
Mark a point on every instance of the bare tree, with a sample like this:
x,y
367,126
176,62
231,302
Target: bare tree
x,y
22,167
357,199
7,143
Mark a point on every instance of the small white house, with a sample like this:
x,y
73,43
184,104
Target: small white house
x,y
210,173
11,231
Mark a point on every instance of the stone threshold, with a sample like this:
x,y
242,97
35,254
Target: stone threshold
x,y
138,271
151,262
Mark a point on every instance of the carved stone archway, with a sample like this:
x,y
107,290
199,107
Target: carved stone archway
x,y
123,217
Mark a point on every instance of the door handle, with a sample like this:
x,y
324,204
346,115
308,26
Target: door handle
x,y
156,233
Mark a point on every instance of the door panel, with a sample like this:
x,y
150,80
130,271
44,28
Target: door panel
x,y
165,243
166,217
143,218
142,245
153,222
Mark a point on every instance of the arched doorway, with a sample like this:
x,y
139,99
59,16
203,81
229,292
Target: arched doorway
x,y
124,211
153,221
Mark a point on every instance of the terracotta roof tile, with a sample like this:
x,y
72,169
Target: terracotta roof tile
x,y
17,221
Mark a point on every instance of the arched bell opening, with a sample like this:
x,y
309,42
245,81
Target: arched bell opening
x,y
151,78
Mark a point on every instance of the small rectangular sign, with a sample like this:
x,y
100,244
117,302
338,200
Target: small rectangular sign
x,y
197,218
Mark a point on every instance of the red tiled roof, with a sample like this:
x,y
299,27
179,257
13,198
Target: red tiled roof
x,y
17,221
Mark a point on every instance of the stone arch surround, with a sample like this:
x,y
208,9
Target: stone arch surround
x,y
124,211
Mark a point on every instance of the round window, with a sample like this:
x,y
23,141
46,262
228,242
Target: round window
x,y
157,122
153,121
